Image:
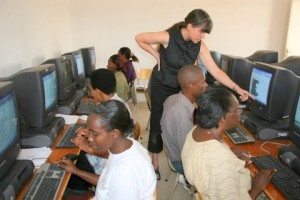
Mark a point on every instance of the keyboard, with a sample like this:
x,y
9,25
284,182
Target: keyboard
x,y
239,136
85,108
46,183
285,179
65,141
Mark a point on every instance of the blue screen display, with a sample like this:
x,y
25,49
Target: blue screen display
x,y
80,65
8,121
50,89
259,85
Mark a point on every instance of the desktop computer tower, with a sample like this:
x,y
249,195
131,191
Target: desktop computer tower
x,y
16,178
264,130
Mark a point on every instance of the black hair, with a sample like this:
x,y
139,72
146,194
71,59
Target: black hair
x,y
197,17
117,61
104,80
213,104
125,51
114,115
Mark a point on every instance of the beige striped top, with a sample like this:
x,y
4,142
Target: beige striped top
x,y
215,170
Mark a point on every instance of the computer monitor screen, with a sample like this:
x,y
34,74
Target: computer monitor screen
x,y
9,128
64,66
89,59
50,89
259,85
80,65
274,89
295,123
36,95
79,71
66,70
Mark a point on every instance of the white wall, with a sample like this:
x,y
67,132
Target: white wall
x,y
31,32
240,27
35,30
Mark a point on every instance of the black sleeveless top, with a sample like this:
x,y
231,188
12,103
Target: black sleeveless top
x,y
178,53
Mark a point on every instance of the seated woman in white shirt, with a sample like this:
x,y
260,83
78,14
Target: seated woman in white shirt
x,y
208,163
128,173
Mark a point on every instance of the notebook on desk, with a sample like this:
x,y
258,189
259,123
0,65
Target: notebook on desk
x,y
238,136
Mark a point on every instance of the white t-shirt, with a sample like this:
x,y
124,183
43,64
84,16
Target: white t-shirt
x,y
128,175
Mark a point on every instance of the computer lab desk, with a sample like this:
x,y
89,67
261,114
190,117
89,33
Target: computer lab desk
x,y
56,154
255,150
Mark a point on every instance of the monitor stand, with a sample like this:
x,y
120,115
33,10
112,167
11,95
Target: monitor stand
x,y
41,137
265,130
68,107
15,179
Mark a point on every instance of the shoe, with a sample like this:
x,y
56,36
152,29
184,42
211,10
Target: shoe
x,y
157,174
186,186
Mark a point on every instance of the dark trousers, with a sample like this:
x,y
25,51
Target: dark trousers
x,y
76,182
159,93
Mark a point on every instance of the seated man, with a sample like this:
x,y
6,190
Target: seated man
x,y
102,86
177,117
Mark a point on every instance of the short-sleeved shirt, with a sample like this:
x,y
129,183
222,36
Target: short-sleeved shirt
x,y
127,175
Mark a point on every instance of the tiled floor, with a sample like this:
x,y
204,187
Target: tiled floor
x,y
141,114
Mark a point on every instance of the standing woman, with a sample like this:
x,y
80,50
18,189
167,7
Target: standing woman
x,y
127,58
179,45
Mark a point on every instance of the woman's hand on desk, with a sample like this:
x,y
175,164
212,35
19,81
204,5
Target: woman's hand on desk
x,y
260,181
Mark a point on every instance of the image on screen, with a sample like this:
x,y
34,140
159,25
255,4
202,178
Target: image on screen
x,y
67,72
259,85
8,121
50,89
80,65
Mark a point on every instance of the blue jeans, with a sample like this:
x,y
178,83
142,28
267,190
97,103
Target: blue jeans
x,y
178,166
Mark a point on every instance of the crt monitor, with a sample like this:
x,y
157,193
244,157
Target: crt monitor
x,y
65,77
216,56
89,59
9,128
265,56
36,92
79,71
274,89
291,63
238,69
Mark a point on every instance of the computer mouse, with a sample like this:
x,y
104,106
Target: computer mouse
x,y
71,156
83,117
